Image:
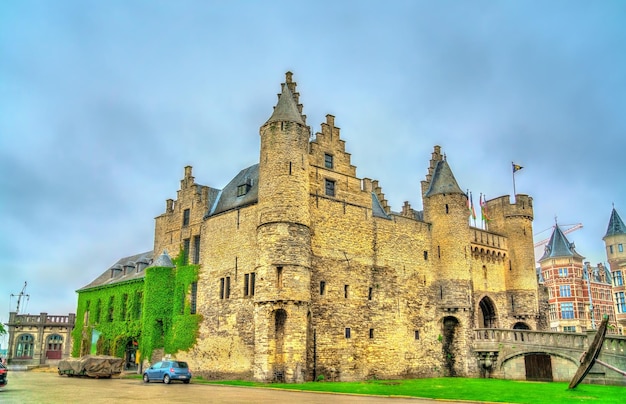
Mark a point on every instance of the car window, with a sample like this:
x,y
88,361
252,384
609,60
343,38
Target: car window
x,y
157,365
180,365
165,365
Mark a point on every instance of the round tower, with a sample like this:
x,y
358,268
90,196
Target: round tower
x,y
283,291
615,241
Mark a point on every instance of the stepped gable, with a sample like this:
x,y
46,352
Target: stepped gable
x,y
124,269
443,181
616,226
241,191
286,110
559,246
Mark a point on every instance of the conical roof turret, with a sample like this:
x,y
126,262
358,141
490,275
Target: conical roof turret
x,y
286,110
443,181
616,226
163,260
559,246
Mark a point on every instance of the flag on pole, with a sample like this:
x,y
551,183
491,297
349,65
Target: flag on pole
x,y
516,167
483,208
469,207
472,207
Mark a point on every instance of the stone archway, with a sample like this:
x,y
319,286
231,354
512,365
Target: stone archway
x,y
487,313
520,325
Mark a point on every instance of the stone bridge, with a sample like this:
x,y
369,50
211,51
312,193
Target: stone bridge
x,y
541,355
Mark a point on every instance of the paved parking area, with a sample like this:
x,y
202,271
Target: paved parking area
x,y
48,387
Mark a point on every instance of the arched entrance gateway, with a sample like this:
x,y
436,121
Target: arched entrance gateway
x,y
280,318
487,313
54,347
449,342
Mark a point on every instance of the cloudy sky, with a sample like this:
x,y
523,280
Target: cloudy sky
x,y
102,104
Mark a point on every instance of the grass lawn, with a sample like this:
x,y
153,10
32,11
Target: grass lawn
x,y
495,390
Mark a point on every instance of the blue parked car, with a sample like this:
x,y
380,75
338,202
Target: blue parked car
x,y
166,371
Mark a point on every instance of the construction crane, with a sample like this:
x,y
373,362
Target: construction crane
x,y
571,229
20,296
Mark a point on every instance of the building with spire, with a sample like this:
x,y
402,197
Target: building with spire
x,y
578,294
304,271
614,241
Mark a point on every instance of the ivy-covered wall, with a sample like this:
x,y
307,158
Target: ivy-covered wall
x,y
158,311
114,311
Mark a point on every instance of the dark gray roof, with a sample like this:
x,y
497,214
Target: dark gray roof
x,y
286,109
443,181
116,273
596,274
616,226
163,260
377,208
227,199
559,246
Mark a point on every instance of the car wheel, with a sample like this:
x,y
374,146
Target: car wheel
x,y
145,378
186,381
166,379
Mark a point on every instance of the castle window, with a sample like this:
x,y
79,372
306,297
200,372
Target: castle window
x,y
425,255
225,287
417,334
279,277
248,284
328,161
371,333
243,189
111,307
447,209
345,291
194,297
186,217
196,249
330,187
369,293
222,281
565,291
569,328
620,302
347,332
611,249
322,287
138,305
562,272
620,247
185,251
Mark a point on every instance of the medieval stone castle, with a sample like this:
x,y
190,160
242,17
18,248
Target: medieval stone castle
x,y
306,271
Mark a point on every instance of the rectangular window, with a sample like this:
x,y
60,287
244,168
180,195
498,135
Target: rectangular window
x,y
194,297
417,334
617,278
565,291
371,333
111,307
246,284
347,333
124,304
563,272
243,189
138,305
552,312
620,247
185,217
185,251
227,288
345,291
611,249
222,285
322,287
569,328
196,249
279,277
328,161
620,302
567,310
369,293
330,188
252,281
425,255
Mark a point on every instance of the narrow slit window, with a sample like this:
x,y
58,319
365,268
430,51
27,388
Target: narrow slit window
x,y
279,277
347,332
322,287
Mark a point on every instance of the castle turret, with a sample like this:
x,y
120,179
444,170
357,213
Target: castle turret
x,y
614,241
284,243
514,221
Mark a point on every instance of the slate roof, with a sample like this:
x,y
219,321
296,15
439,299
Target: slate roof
x,y
163,260
286,109
616,226
135,269
595,273
559,246
377,208
227,198
443,181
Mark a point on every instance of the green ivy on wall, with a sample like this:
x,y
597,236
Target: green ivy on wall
x,y
155,311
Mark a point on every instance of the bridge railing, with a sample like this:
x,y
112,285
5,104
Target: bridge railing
x,y
493,336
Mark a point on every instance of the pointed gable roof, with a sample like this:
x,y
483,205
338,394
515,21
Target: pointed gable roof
x,y
443,181
616,226
287,109
559,246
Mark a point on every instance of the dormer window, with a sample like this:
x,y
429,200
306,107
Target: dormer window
x,y
328,161
243,189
